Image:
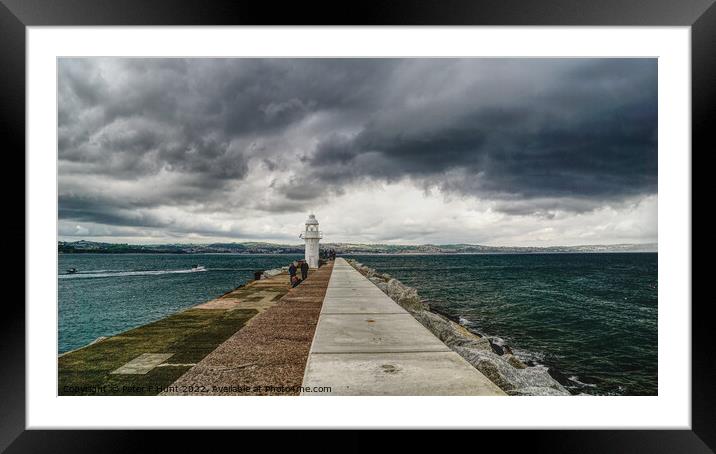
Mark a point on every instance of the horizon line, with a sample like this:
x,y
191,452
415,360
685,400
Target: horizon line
x,y
361,244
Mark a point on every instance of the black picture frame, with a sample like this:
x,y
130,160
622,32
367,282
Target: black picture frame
x,y
16,15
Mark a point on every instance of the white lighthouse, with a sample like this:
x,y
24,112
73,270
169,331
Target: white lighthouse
x,y
312,236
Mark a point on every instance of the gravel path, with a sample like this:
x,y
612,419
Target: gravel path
x,y
268,356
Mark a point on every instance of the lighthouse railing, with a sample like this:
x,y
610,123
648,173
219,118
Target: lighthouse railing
x,y
311,234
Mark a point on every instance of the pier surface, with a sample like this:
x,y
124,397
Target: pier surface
x,y
268,355
252,340
366,344
336,333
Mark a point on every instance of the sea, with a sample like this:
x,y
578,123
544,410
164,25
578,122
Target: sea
x,y
590,318
111,293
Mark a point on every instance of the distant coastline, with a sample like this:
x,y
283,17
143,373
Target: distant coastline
x,y
91,247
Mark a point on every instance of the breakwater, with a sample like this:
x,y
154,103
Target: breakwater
x,y
366,344
268,355
494,359
251,340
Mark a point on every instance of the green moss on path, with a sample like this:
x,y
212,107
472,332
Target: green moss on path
x,y
189,335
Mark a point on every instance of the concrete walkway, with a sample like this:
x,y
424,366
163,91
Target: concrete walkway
x,y
366,344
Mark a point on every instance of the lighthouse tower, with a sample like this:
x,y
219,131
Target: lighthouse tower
x,y
312,236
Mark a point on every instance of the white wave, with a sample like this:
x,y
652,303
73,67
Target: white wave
x,y
100,273
498,341
465,322
575,379
535,357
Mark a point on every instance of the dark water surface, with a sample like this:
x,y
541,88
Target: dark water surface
x,y
111,293
592,317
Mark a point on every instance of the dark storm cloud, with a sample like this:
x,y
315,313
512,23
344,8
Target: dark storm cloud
x,y
137,116
591,133
566,133
112,212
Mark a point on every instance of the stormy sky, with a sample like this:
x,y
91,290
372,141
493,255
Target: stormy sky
x,y
489,151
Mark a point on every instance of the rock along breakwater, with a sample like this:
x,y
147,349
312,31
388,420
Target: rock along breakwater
x,y
496,362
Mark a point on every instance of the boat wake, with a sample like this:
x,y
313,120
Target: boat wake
x,y
118,273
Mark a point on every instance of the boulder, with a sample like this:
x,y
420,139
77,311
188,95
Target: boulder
x,y
450,332
365,271
536,391
379,282
407,297
497,348
515,361
509,378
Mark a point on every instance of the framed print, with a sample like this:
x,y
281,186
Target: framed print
x,y
444,215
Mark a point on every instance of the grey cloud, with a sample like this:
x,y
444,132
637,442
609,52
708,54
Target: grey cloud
x,y
581,137
576,132
106,211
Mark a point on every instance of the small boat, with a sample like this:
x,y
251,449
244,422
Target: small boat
x,y
198,268
71,270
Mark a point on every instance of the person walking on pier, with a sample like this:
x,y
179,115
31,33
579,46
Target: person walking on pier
x,y
304,270
291,272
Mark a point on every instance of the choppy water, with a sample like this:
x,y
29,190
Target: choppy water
x,y
111,293
592,317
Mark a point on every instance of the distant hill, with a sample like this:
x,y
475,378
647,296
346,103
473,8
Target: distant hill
x,y
89,247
